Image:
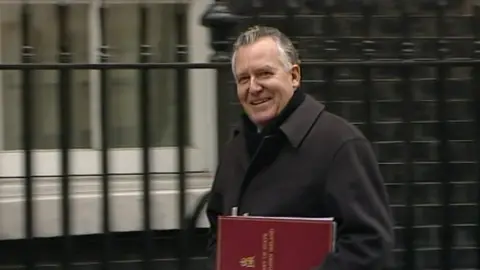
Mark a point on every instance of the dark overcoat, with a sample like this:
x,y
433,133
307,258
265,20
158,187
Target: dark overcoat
x,y
323,167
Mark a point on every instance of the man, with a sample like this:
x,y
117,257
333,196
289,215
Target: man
x,y
290,157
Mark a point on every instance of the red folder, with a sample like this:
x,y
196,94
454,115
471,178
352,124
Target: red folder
x,y
273,243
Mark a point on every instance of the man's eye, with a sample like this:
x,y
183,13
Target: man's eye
x,y
264,74
243,80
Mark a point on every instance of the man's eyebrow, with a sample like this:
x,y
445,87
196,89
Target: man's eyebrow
x,y
241,74
267,67
261,68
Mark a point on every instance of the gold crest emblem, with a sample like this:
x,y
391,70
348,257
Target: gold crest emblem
x,y
248,262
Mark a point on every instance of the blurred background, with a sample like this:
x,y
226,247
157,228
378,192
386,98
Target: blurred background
x,y
113,113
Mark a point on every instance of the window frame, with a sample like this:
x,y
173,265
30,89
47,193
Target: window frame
x,y
199,156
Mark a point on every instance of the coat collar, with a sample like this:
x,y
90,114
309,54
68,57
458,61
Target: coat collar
x,y
297,125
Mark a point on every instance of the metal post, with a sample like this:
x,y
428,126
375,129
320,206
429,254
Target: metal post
x,y
221,23
330,50
476,96
182,135
65,120
407,87
28,129
104,145
443,149
368,52
145,137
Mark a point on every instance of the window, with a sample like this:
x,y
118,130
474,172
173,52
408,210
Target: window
x,y
121,35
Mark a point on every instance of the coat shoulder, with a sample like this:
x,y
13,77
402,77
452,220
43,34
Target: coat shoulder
x,y
333,130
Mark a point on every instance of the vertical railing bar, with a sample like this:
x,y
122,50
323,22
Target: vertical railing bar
x,y
476,96
368,51
144,107
256,10
28,128
442,73
221,28
94,44
289,21
330,49
406,73
181,113
65,119
104,143
3,75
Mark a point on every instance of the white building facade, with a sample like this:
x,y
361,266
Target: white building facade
x,y
121,34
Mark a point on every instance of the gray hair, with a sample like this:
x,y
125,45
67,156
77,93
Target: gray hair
x,y
288,53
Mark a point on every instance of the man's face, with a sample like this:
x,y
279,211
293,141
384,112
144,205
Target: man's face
x,y
264,86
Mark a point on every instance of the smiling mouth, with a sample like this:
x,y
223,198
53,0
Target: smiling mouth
x,y
260,101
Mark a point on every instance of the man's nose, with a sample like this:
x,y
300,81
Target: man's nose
x,y
254,86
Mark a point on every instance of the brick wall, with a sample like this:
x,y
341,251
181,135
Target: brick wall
x,y
347,89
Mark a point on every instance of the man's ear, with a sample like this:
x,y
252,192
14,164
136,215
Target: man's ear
x,y
296,76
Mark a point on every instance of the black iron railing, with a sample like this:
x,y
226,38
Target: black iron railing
x,y
65,69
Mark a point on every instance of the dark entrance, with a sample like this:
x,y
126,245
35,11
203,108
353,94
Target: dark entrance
x,y
408,74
